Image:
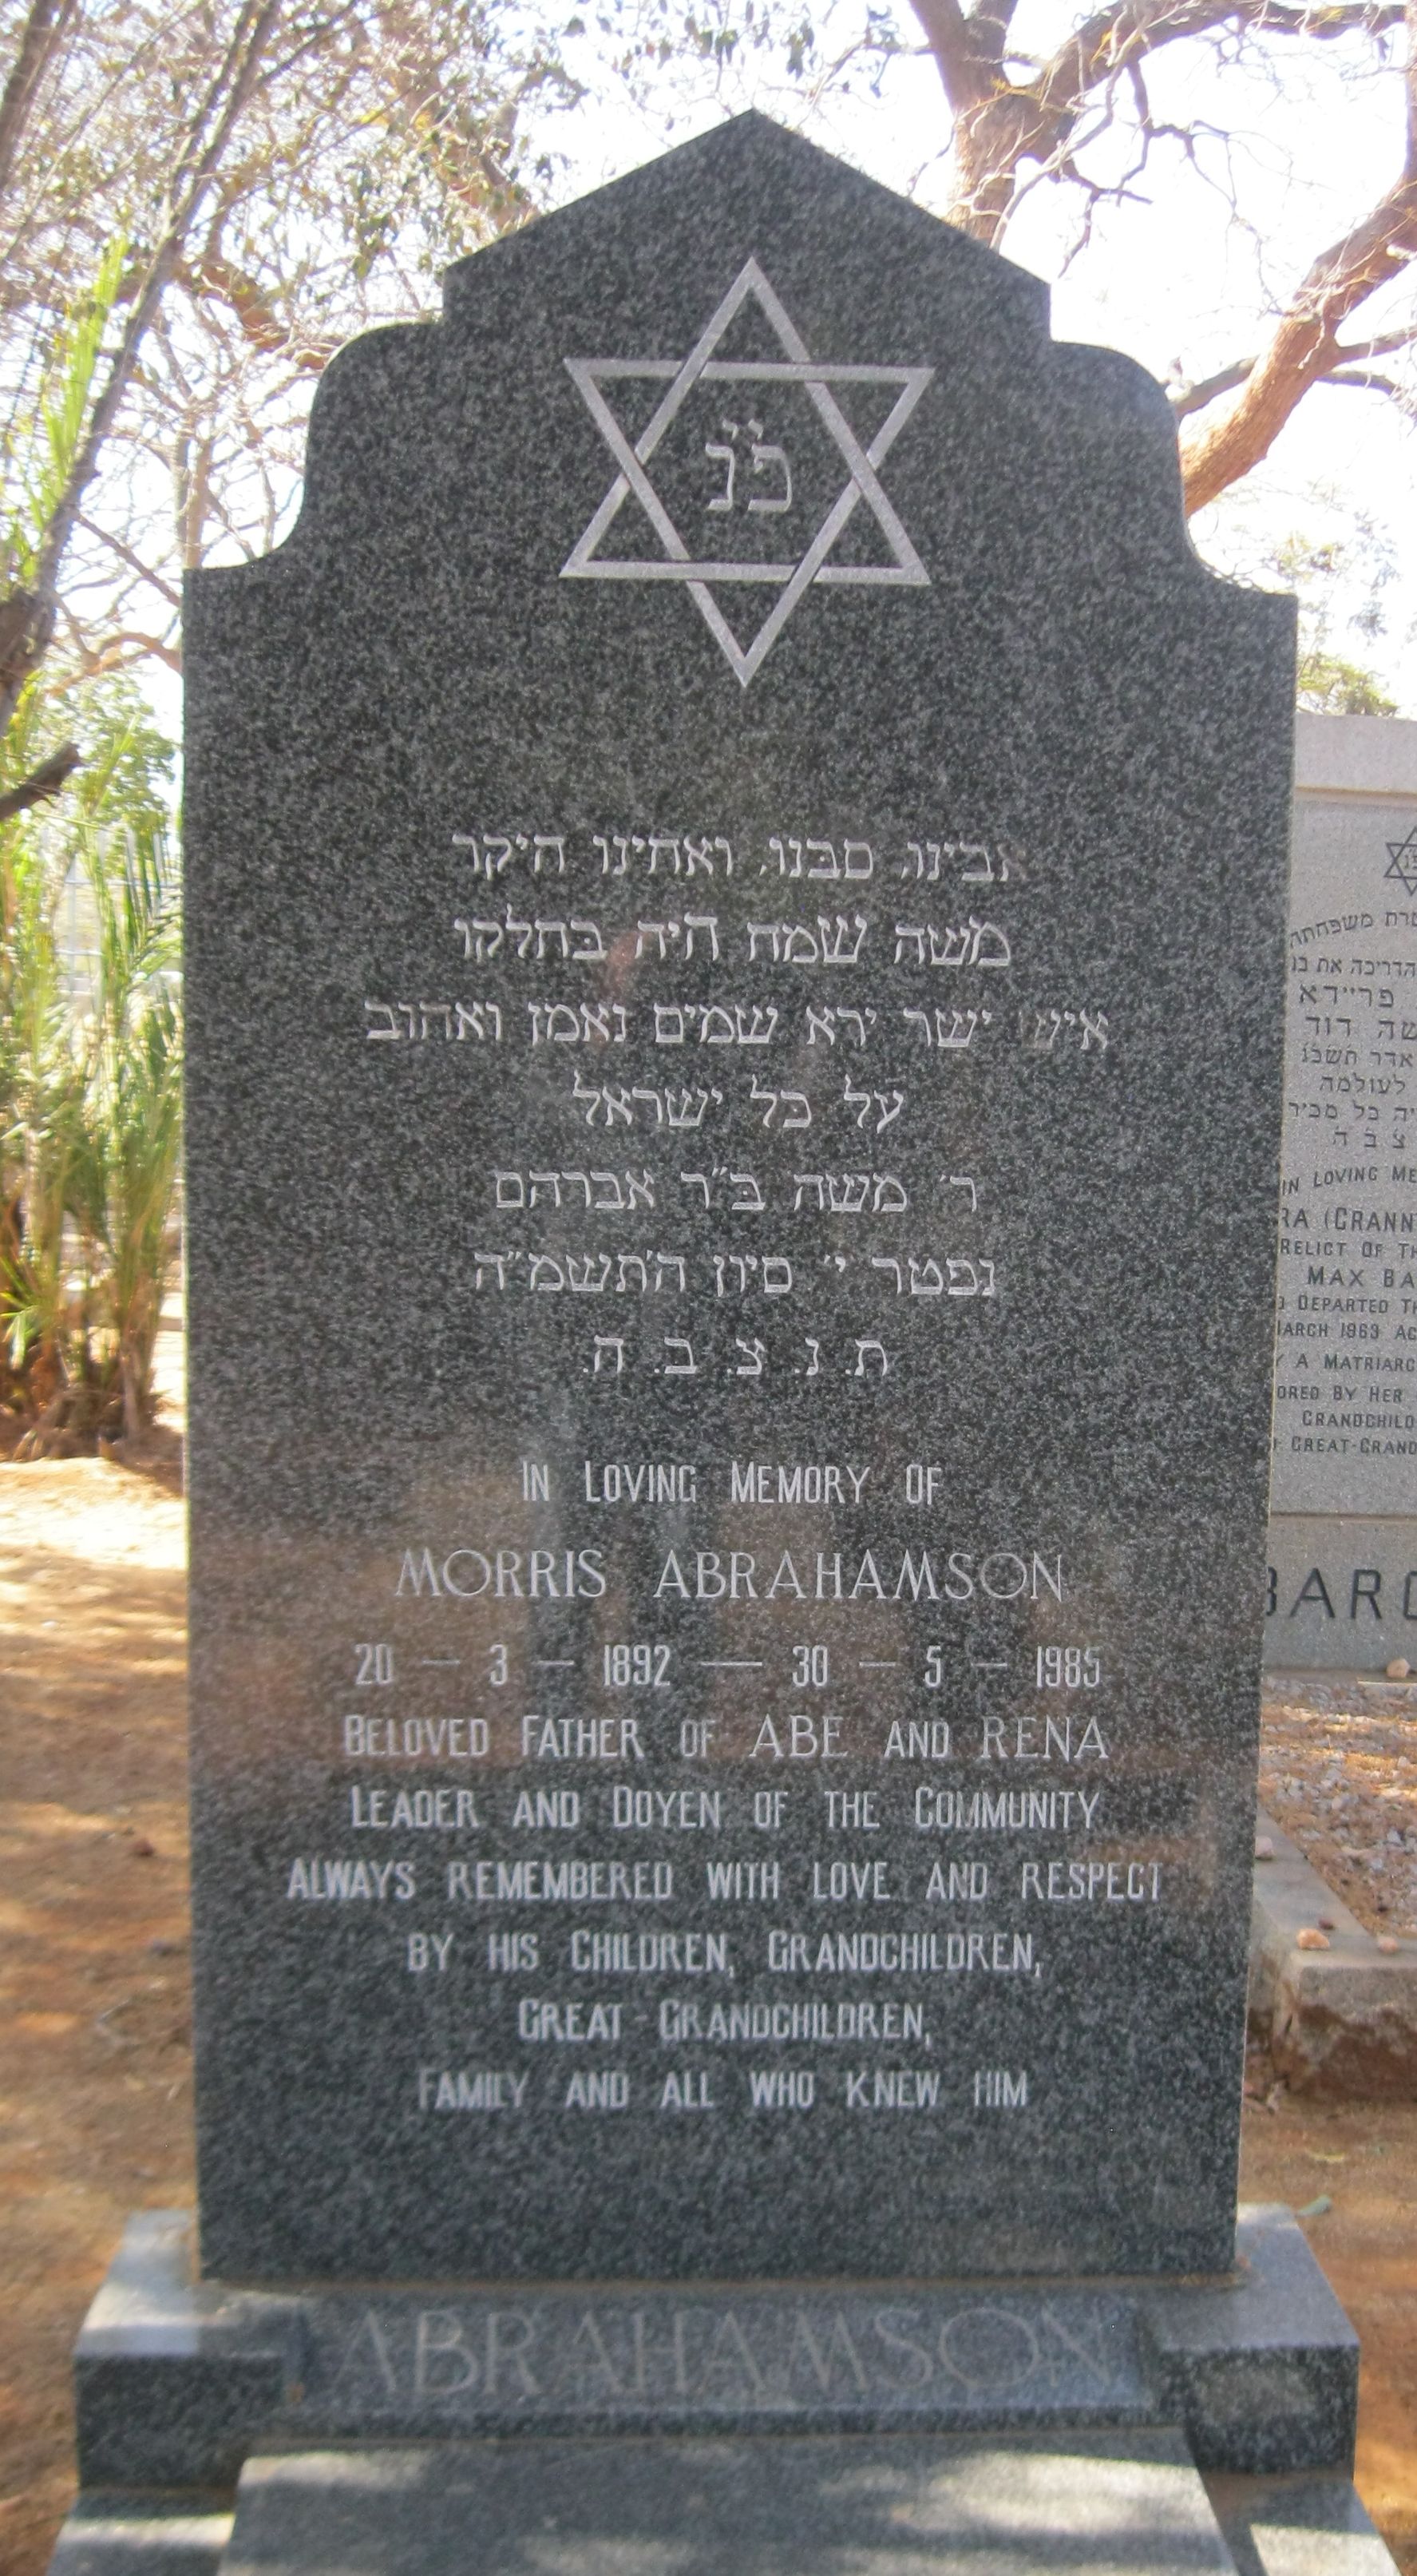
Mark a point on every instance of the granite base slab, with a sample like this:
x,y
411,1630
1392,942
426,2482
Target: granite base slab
x,y
1304,2526
178,2379
1001,2505
1298,2527
346,2417
128,2531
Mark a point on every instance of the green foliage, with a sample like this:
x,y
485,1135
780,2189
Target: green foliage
x,y
1339,580
40,447
89,1020
1342,568
1329,686
803,46
89,1084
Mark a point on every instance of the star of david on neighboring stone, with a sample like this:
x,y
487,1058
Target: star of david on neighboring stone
x,y
1402,862
817,377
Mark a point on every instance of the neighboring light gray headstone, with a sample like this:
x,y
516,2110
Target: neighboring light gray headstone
x,y
1343,1538
735,870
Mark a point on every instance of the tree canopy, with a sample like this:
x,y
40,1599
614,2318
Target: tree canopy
x,y
204,200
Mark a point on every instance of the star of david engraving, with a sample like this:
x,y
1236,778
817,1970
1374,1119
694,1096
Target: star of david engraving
x,y
814,566
1402,862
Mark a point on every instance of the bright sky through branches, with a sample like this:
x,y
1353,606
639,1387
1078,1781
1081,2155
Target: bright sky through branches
x,y
1173,275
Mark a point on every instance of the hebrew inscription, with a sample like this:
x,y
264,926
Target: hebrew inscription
x,y
1345,1418
735,866
669,1855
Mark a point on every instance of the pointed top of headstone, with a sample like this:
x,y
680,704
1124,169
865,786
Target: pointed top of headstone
x,y
893,424
750,171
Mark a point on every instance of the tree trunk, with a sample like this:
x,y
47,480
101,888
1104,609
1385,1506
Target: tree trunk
x,y
208,136
992,138
43,30
1305,345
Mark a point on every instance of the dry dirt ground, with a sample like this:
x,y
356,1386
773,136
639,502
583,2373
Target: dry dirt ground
x,y
95,2109
1339,1775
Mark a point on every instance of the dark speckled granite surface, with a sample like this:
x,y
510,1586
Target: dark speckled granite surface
x,y
1003,2508
732,1208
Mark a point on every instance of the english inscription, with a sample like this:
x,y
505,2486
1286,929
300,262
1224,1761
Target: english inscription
x,y
730,1289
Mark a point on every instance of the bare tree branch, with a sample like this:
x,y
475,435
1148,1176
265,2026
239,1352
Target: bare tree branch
x,y
999,124
113,656
1192,398
135,563
1304,347
473,158
962,60
1367,382
207,139
377,140
1346,362
1384,345
43,29
42,783
210,274
1045,120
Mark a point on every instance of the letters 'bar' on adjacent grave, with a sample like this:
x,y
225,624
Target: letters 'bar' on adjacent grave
x,y
736,907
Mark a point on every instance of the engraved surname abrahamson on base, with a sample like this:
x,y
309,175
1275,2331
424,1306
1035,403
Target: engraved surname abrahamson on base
x,y
797,367
954,2352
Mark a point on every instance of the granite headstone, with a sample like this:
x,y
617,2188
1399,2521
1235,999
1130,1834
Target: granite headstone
x,y
736,870
736,898
1343,1538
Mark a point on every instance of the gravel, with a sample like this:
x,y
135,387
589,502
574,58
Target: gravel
x,y
1341,1781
